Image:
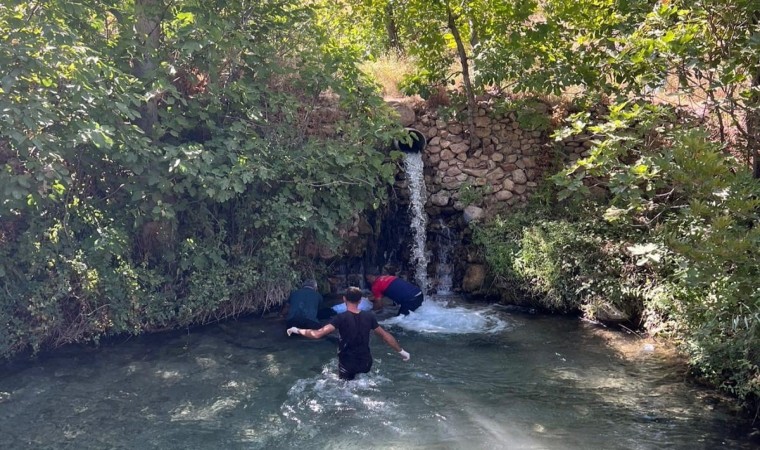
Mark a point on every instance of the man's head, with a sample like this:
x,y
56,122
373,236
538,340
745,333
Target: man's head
x,y
310,283
353,295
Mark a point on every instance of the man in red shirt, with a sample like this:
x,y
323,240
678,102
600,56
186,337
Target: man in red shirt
x,y
403,293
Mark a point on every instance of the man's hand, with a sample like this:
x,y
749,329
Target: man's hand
x,y
404,355
295,330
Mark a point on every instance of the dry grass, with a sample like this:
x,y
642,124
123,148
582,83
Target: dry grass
x,y
388,70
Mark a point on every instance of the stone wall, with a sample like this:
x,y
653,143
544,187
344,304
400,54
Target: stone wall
x,y
502,172
464,184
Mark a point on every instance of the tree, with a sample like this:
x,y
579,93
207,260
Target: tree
x,y
162,161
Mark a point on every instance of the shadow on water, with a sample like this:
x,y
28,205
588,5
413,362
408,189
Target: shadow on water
x,y
519,381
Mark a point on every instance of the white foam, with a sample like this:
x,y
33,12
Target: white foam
x,y
437,317
313,402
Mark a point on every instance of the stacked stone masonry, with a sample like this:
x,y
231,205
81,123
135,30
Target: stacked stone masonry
x,y
503,169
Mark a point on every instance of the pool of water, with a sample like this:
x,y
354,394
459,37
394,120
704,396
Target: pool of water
x,y
479,377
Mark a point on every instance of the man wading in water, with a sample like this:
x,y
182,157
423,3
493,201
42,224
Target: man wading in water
x,y
403,293
354,326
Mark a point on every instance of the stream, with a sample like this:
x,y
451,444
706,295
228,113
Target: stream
x,y
479,377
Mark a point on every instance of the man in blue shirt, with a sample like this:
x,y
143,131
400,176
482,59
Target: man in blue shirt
x,y
301,308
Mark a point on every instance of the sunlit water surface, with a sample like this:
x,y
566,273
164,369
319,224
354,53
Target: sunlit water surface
x,y
479,377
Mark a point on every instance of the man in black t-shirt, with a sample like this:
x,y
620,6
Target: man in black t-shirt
x,y
354,327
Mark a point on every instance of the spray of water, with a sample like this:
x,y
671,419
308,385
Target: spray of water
x,y
414,171
436,316
443,269
441,318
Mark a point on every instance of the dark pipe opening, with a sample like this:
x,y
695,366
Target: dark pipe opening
x,y
415,144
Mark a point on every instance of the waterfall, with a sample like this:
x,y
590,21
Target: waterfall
x,y
414,172
445,241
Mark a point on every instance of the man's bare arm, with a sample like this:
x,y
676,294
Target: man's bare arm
x,y
313,334
388,338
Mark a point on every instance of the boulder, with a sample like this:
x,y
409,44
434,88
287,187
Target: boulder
x,y
454,128
474,277
405,113
453,171
473,213
440,199
475,172
458,148
607,312
519,177
503,195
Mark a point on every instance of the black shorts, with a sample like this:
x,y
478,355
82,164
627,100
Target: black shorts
x,y
347,370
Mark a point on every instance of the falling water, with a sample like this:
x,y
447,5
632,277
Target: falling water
x,y
413,165
445,240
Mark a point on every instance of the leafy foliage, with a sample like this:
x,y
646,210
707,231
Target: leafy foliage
x,y
265,132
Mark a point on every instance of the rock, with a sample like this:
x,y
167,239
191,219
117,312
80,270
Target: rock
x,y
434,141
433,149
473,163
453,171
440,199
454,128
607,312
508,184
495,175
447,155
405,112
473,213
519,177
459,148
497,157
474,278
482,121
503,195
475,172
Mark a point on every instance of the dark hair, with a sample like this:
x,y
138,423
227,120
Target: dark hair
x,y
353,294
